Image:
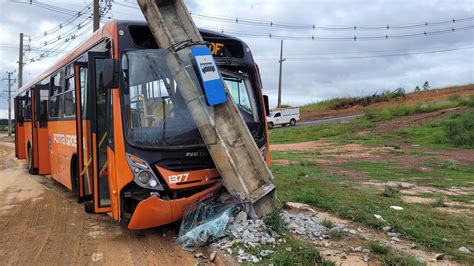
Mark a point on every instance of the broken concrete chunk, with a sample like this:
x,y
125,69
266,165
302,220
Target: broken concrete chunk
x,y
464,250
379,217
420,259
212,257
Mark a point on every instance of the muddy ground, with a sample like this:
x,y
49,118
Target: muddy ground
x,y
40,223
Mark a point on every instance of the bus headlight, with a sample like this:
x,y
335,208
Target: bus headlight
x,y
143,175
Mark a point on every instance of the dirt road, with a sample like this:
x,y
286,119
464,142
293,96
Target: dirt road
x,y
40,223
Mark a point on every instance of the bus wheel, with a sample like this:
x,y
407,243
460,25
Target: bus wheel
x,y
270,125
292,122
29,164
89,206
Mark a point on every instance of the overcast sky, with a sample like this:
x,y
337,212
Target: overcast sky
x,y
314,70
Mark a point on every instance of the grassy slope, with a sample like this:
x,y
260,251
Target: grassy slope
x,y
304,181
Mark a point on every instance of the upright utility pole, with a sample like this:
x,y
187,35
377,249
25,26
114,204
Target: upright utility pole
x,y
9,79
20,63
96,15
281,70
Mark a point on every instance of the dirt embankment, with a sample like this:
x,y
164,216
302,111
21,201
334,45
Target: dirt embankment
x,y
435,95
40,223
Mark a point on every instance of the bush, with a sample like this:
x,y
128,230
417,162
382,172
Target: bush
x,y
460,130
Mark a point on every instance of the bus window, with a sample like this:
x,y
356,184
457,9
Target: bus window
x,y
57,83
83,80
241,90
69,98
43,114
27,106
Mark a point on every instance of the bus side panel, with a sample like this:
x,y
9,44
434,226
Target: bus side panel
x,y
43,150
20,135
63,147
121,165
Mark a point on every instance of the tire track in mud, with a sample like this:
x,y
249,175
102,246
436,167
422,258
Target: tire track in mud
x,y
41,223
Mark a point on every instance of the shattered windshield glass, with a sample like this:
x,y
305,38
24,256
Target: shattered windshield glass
x,y
155,112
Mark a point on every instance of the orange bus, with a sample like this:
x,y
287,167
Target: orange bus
x,y
108,122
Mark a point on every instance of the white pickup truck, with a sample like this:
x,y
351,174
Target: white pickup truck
x,y
283,117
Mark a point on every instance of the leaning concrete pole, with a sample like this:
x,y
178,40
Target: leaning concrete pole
x,y
229,140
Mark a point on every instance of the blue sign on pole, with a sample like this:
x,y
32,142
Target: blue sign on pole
x,y
211,78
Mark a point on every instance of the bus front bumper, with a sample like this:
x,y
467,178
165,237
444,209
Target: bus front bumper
x,y
154,211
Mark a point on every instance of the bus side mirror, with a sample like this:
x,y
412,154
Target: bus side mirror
x,y
267,106
110,77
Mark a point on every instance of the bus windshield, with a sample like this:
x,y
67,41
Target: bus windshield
x,y
155,112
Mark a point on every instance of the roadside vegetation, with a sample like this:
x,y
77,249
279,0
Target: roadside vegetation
x,y
401,164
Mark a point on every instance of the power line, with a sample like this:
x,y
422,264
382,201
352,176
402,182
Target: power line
x,y
351,38
310,57
244,21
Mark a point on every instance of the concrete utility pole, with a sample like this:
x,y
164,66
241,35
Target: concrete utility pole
x,y
20,63
281,70
235,154
96,16
9,79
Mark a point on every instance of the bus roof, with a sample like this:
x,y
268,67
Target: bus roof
x,y
108,30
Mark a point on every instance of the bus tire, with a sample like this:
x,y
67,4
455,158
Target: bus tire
x,y
270,125
29,160
89,206
292,122
74,176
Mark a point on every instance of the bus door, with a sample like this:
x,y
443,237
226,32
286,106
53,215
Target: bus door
x,y
19,129
92,134
40,132
34,133
15,111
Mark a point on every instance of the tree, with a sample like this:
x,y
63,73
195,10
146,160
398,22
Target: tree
x,y
417,89
426,86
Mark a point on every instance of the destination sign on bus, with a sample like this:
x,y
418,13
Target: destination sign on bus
x,y
217,49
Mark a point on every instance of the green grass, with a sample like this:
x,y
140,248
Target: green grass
x,y
377,115
426,226
432,134
274,220
438,176
292,252
378,248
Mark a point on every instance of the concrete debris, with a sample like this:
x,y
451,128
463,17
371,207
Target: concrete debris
x,y
266,252
212,257
199,255
366,257
379,217
464,250
366,251
307,226
397,208
251,232
357,249
386,228
395,239
413,245
242,216
352,231
420,259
